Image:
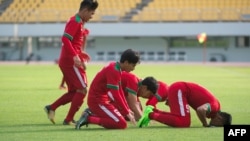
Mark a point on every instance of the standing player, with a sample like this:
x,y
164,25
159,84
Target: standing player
x,y
149,88
62,85
106,89
71,63
181,96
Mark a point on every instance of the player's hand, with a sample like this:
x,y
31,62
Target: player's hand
x,y
131,118
84,65
77,61
85,56
131,112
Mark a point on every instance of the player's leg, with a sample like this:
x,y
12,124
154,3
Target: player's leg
x,y
77,81
179,115
106,115
50,109
62,84
76,103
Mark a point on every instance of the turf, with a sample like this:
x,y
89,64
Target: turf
x,y
26,89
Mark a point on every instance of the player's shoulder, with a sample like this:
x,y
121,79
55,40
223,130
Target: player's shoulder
x,y
74,19
161,83
112,66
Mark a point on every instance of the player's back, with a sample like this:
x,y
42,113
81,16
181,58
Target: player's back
x,y
101,83
160,96
199,95
130,82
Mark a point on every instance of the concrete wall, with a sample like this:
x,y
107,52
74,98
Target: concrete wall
x,y
146,37
132,29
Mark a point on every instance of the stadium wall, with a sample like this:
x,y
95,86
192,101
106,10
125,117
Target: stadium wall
x,y
152,39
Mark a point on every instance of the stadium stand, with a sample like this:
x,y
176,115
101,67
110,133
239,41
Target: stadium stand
x,y
60,10
50,11
114,10
193,10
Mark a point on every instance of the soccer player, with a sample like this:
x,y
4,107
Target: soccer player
x,y
62,85
130,85
181,95
106,89
71,63
149,88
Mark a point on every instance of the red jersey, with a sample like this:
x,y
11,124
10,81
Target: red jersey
x,y
198,95
72,40
106,87
160,96
130,83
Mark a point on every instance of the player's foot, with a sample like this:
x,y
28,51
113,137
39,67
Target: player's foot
x,y
73,123
144,120
148,110
50,113
83,119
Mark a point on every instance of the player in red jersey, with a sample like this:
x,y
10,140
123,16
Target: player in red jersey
x,y
181,96
105,90
149,88
130,86
62,85
71,62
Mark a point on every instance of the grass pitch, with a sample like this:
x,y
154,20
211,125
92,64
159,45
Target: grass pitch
x,y
26,89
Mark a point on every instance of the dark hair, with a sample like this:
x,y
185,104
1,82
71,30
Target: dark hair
x,y
227,118
131,56
89,4
151,84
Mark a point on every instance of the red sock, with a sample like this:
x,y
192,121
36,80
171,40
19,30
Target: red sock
x,y
64,99
76,103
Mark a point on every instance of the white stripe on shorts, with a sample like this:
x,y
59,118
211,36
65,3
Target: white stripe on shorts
x,y
110,114
79,77
180,100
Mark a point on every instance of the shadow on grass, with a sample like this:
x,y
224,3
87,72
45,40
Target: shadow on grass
x,y
29,128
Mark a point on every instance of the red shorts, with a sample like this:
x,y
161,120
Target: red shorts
x,y
110,116
74,77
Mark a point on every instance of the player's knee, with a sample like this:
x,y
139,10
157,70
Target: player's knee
x,y
83,91
184,124
122,124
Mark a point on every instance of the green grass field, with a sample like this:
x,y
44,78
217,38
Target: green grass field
x,y
26,89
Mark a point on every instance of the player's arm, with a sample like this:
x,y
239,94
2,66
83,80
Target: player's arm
x,y
152,101
201,112
85,35
71,51
66,40
134,105
68,35
115,95
84,54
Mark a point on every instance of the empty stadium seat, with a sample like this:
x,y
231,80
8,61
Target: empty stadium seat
x,y
23,11
192,10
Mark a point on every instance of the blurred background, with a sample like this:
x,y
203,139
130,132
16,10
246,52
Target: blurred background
x,y
162,30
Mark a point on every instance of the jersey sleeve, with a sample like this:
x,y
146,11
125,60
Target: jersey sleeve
x,y
115,89
70,30
131,84
161,95
152,101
